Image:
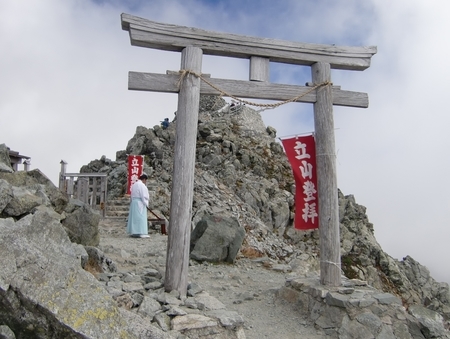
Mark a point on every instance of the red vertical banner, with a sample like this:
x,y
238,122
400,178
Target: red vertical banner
x,y
135,169
301,153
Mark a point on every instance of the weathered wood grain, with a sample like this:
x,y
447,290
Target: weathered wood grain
x,y
259,69
330,259
95,175
177,261
168,83
146,33
90,187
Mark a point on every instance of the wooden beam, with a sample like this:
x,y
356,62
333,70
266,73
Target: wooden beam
x,y
85,175
259,69
177,260
330,259
168,83
146,33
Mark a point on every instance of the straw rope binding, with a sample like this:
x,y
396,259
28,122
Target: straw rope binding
x,y
185,72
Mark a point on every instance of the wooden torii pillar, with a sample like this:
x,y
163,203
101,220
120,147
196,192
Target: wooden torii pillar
x,y
193,43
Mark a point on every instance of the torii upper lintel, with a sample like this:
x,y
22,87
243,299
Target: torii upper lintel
x,y
146,33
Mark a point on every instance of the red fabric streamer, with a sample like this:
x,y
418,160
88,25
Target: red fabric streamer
x,y
301,153
135,170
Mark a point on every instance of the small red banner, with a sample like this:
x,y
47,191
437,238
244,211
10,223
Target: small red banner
x,y
301,153
135,169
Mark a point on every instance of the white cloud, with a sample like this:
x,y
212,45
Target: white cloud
x,y
63,94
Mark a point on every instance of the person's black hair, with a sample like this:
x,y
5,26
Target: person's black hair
x,y
143,176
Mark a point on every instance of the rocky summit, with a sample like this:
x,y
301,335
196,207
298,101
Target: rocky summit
x,y
68,273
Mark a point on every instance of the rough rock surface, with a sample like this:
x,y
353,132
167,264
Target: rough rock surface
x,y
81,223
227,301
242,172
44,292
256,298
271,290
216,239
5,161
21,193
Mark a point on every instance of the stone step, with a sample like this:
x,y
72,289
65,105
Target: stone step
x,y
118,208
117,213
119,202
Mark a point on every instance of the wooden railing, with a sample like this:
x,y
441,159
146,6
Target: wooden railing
x,y
90,188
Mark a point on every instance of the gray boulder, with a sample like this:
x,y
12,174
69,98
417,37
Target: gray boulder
x,y
81,223
6,194
44,292
22,202
97,261
5,161
431,323
40,185
141,328
21,193
6,333
216,239
149,307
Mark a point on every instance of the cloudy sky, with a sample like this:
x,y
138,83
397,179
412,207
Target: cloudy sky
x,y
63,94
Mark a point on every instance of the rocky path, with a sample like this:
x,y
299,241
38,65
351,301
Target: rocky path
x,y
247,287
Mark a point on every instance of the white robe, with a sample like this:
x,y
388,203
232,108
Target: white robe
x,y
137,219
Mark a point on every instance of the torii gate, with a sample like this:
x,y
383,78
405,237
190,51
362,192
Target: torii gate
x,y
189,83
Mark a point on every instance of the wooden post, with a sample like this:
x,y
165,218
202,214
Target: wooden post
x,y
259,69
62,178
177,261
93,201
103,195
330,259
70,186
26,165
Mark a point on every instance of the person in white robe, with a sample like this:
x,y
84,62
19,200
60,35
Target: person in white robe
x,y
137,225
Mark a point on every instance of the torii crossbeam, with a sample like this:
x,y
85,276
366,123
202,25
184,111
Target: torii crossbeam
x,y
193,43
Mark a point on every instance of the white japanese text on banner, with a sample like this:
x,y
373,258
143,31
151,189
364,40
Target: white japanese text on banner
x,y
135,169
301,152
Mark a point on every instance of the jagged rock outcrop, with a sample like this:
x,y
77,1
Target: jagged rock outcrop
x,y
242,172
22,192
363,258
5,161
234,154
28,190
44,292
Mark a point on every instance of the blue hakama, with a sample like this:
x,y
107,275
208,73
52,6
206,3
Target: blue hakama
x,y
137,218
